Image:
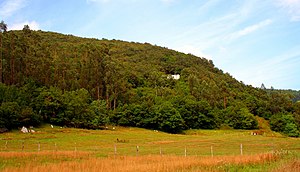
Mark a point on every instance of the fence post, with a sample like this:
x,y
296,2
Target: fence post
x,y
160,151
137,150
273,148
115,150
23,146
185,151
6,145
241,147
39,146
55,146
211,151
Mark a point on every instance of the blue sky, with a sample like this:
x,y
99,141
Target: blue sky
x,y
256,41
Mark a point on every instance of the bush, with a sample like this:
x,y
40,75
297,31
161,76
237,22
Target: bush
x,y
240,118
284,123
168,118
291,130
9,115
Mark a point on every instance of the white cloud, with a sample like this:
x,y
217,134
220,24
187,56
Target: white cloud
x,y
278,70
193,50
98,1
105,1
216,32
292,7
250,29
255,27
9,7
167,1
33,25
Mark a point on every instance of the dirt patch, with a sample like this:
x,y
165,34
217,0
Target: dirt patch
x,y
49,137
163,142
28,137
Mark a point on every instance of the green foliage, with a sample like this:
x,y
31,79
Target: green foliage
x,y
133,115
29,118
9,114
49,103
285,123
248,120
17,106
239,117
98,116
89,83
167,118
197,114
8,93
291,130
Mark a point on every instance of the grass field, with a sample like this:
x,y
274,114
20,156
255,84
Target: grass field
x,y
134,149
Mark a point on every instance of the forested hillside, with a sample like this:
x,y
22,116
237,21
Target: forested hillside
x,y
89,83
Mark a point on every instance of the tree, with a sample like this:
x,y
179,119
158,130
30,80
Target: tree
x,y
76,108
247,120
81,82
168,118
297,113
28,117
3,26
49,103
284,123
238,116
26,27
9,115
196,114
98,116
224,87
291,130
263,86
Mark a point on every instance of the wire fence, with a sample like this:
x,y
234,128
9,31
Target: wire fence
x,y
125,149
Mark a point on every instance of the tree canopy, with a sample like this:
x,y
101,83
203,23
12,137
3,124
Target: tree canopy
x,y
3,26
89,83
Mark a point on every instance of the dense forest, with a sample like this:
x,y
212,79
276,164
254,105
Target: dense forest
x,y
48,77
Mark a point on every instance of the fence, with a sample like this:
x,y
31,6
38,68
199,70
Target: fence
x,y
124,149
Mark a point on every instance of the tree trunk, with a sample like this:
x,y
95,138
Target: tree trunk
x,y
115,102
98,91
107,99
225,102
1,64
12,61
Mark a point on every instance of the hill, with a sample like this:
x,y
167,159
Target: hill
x,y
89,83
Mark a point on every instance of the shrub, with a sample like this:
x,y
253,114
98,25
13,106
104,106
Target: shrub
x,y
284,123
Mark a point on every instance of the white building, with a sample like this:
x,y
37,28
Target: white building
x,y
176,77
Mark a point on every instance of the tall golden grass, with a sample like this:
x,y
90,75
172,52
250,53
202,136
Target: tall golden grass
x,y
292,166
44,153
145,163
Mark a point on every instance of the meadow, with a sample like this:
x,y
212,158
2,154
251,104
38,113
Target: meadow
x,y
135,149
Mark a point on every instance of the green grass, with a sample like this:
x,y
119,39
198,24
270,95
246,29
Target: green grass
x,y
101,143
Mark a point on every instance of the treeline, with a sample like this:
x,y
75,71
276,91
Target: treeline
x,y
89,83
32,105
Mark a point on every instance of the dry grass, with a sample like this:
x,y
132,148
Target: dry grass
x,y
292,166
43,153
54,150
149,163
22,159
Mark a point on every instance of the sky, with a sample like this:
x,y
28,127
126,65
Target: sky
x,y
255,41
